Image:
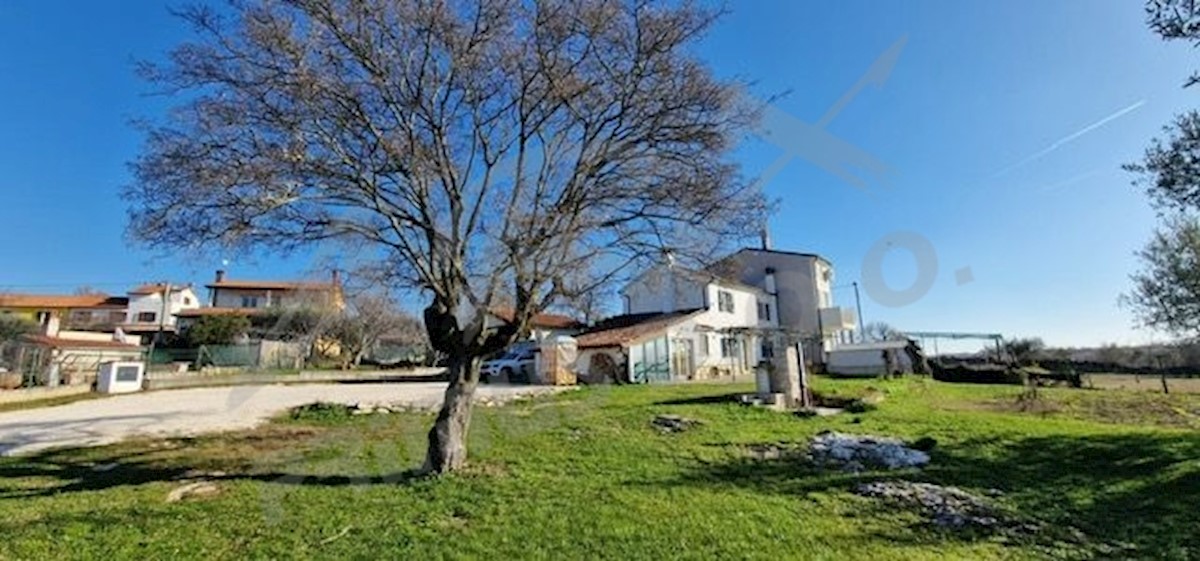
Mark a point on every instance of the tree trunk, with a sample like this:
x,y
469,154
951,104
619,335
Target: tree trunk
x,y
448,437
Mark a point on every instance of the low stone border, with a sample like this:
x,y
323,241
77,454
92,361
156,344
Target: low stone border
x,y
161,381
40,393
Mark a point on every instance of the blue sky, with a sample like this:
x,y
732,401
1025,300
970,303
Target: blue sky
x,y
1001,126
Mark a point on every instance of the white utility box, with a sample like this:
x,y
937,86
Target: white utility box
x,y
120,377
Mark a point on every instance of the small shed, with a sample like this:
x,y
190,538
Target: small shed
x,y
869,359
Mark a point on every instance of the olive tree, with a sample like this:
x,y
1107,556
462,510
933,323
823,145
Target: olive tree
x,y
1166,292
475,150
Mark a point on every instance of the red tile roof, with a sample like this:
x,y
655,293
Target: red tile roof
x,y
60,343
62,301
273,285
551,321
623,331
155,288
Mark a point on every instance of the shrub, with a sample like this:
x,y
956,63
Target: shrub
x,y
322,412
217,330
859,406
924,444
982,374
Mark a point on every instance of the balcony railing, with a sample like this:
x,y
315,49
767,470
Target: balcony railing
x,y
837,319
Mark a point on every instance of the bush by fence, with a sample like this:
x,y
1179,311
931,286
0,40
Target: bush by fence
x,y
261,354
977,374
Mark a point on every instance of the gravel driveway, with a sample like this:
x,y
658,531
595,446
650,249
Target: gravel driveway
x,y
194,411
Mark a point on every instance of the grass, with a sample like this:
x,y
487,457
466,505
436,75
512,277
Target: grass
x,y
1142,383
584,475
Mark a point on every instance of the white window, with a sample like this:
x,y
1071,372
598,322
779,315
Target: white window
x,y
729,347
764,311
249,301
704,345
147,317
725,301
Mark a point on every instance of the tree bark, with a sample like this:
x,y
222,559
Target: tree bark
x,y
448,437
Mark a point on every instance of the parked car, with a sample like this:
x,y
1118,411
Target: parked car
x,y
518,365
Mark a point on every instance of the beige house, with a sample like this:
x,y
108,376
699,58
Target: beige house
x,y
250,297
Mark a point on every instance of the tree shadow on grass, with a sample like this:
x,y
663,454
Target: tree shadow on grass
x,y
58,471
1139,489
703,399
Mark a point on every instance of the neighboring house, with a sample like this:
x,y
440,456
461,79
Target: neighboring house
x,y
681,324
154,307
74,357
52,312
802,284
254,294
251,297
541,327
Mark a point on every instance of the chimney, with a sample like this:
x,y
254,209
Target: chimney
x,y
765,236
220,275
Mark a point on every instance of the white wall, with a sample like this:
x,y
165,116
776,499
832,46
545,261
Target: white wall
x,y
662,290
181,299
865,360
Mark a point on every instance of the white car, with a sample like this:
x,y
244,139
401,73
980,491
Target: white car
x,y
516,365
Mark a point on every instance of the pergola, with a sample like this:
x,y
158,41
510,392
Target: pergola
x,y
997,338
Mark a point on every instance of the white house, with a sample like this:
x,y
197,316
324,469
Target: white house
x,y
802,284
681,323
153,307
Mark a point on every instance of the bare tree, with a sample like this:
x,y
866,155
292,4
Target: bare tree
x,y
880,331
374,318
476,148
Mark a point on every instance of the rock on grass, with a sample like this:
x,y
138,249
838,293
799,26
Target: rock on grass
x,y
673,423
854,453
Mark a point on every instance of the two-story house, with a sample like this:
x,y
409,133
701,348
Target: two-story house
x,y
250,297
153,308
802,284
681,324
52,312
253,294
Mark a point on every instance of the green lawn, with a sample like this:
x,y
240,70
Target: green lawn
x,y
584,475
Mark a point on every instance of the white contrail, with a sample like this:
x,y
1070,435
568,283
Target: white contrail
x,y
1064,140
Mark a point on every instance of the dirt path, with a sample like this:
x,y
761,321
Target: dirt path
x,y
195,411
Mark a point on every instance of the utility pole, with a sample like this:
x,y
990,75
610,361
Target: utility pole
x,y
858,304
162,319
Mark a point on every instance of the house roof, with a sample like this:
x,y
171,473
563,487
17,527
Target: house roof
x,y
61,343
704,276
780,252
622,331
202,312
156,288
551,321
274,285
62,301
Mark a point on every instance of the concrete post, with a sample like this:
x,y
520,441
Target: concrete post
x,y
785,374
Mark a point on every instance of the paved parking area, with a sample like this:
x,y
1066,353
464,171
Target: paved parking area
x,y
195,411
